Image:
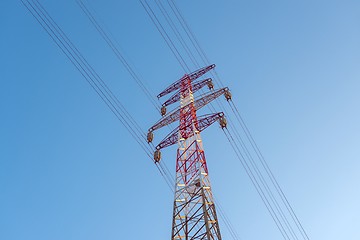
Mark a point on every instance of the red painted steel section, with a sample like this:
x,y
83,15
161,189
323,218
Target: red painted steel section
x,y
194,213
196,86
199,103
204,122
192,76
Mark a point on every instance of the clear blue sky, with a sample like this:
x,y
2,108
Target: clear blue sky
x,y
69,170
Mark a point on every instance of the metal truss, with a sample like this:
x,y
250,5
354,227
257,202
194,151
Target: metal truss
x,y
203,122
196,86
199,103
192,76
194,212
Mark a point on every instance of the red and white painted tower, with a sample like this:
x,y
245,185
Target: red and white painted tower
x,y
194,213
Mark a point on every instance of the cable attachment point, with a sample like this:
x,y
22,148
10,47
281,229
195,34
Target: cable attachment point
x,y
210,85
223,122
227,95
150,137
163,110
157,156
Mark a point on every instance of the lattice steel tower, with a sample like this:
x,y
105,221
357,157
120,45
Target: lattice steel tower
x,y
194,213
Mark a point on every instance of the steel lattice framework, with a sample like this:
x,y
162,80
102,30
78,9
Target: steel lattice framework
x,y
194,213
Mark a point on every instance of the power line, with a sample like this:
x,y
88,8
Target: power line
x,y
268,171
164,35
117,53
256,184
177,33
203,56
90,75
113,103
110,41
85,69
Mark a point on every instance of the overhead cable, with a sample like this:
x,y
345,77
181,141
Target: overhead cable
x,y
93,79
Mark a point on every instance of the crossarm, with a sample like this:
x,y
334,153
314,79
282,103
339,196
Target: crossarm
x,y
196,86
204,122
194,75
199,103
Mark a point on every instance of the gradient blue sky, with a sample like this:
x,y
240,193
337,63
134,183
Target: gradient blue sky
x,y
69,170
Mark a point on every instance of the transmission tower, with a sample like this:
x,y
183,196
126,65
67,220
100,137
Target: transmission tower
x,y
194,213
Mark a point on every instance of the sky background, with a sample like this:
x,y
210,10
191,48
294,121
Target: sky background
x,y
70,170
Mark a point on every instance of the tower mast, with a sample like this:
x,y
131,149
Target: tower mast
x,y
194,213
